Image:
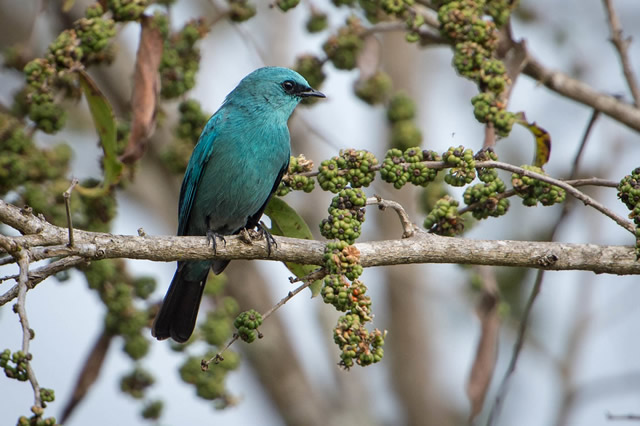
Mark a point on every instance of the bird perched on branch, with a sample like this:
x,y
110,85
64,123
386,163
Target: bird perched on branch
x,y
234,169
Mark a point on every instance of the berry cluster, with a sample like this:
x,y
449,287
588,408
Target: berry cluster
x,y
629,194
375,89
285,5
444,219
396,7
357,343
216,330
342,49
414,22
47,115
247,324
317,22
15,364
181,59
533,191
355,167
209,384
486,174
487,107
127,10
346,215
241,10
152,410
340,258
217,327
94,34
23,162
136,382
84,44
486,200
463,166
310,67
475,40
401,167
37,419
294,181
347,293
400,113
118,292
485,197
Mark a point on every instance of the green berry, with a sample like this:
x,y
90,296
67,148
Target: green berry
x,y
533,191
444,219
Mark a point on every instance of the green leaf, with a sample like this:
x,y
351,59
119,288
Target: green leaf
x,y
286,222
543,140
105,123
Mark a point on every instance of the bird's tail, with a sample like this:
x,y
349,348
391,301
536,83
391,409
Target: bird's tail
x,y
177,316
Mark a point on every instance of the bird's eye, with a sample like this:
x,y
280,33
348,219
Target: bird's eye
x,y
288,86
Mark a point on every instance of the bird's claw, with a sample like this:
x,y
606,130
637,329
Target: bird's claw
x,y
262,229
211,239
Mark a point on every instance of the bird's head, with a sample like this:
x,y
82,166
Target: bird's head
x,y
272,89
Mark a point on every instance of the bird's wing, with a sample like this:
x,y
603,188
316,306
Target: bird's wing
x,y
197,164
254,220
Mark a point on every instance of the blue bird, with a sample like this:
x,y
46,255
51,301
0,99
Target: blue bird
x,y
234,170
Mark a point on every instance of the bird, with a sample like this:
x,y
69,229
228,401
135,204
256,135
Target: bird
x,y
234,169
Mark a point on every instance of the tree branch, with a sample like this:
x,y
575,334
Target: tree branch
x,y
571,88
622,47
574,89
421,248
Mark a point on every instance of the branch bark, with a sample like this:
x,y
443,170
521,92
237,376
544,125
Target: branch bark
x,y
51,241
574,89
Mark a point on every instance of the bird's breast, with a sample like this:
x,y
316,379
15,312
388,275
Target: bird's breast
x,y
239,177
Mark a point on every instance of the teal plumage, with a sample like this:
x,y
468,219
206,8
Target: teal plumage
x,y
234,170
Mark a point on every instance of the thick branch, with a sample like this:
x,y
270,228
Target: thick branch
x,y
421,248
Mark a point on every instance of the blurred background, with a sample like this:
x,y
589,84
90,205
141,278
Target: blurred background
x,y
581,358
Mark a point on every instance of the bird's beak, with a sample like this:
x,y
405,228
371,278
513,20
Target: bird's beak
x,y
309,92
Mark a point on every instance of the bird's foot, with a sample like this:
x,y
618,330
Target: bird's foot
x,y
264,232
245,236
211,239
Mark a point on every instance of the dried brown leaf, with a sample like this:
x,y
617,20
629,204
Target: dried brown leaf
x,y
146,89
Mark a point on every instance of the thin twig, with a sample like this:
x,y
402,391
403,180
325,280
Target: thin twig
x,y
594,181
67,203
36,276
438,165
583,143
307,281
407,226
622,47
570,189
27,333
